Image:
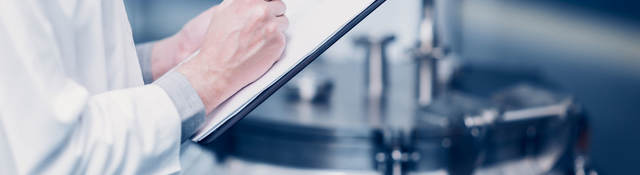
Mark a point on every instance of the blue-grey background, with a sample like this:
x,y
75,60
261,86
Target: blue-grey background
x,y
589,47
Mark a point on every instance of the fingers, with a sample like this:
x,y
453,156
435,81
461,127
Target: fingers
x,y
281,24
279,42
276,7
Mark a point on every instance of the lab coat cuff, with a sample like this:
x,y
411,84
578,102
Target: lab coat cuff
x,y
186,99
144,58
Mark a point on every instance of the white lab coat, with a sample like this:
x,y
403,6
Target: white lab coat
x,y
72,99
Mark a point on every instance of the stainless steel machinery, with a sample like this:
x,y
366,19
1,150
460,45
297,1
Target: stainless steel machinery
x,y
438,115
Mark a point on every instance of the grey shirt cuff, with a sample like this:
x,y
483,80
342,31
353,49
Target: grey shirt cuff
x,y
186,99
144,58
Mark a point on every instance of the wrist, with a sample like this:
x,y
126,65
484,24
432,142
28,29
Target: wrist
x,y
182,45
212,85
163,56
168,53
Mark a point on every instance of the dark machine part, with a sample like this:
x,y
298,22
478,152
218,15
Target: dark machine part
x,y
442,139
395,155
520,126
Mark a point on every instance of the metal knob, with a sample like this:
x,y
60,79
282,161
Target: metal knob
x,y
376,76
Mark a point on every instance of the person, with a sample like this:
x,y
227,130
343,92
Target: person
x,y
76,97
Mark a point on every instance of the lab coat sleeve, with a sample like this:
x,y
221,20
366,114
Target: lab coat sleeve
x,y
128,131
144,57
187,101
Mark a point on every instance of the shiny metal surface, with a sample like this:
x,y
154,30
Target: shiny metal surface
x,y
238,166
514,123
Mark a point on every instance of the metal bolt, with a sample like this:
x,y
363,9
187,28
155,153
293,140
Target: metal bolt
x,y
396,155
380,157
475,132
446,143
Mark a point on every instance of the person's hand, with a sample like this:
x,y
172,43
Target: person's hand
x,y
169,52
243,41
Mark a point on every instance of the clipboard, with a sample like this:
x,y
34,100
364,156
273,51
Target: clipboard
x,y
208,132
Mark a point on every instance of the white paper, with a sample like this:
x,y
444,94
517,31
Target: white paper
x,y
312,22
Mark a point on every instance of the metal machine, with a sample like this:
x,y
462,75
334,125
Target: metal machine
x,y
439,116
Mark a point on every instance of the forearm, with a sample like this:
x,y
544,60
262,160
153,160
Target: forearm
x,y
168,53
158,57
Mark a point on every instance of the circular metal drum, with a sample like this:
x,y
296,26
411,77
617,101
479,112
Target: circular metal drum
x,y
506,125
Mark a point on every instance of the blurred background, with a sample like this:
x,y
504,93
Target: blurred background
x,y
495,71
